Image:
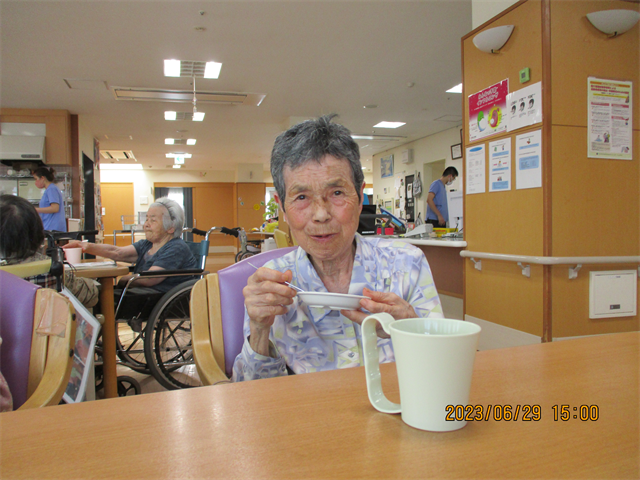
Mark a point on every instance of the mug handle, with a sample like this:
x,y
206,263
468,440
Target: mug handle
x,y
371,362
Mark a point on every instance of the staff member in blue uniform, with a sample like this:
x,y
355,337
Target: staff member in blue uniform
x,y
437,208
51,208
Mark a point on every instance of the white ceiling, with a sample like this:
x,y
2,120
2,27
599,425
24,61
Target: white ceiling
x,y
308,57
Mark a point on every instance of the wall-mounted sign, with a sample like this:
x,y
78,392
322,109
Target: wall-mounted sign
x,y
500,165
475,169
386,166
529,160
610,119
488,111
525,107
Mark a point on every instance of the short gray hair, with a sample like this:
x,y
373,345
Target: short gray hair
x,y
176,215
311,141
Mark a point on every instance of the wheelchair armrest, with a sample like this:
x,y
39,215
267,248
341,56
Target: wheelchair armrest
x,y
170,273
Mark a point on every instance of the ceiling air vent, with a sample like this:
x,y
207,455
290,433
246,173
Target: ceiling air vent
x,y
118,155
186,96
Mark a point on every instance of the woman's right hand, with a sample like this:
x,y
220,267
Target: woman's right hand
x,y
266,296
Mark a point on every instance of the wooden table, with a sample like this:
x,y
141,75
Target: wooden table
x,y
105,276
321,425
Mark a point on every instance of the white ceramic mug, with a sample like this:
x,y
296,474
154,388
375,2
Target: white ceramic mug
x,y
73,255
434,360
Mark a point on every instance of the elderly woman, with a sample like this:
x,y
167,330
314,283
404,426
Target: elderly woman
x,y
319,182
163,249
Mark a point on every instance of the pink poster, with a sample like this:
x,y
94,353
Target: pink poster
x,y
488,111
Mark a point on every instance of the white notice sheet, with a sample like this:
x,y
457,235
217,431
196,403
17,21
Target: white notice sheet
x,y
525,107
475,169
610,119
529,160
500,165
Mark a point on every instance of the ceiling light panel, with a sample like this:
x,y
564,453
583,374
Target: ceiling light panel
x,y
389,124
379,138
179,141
179,116
186,96
191,68
178,154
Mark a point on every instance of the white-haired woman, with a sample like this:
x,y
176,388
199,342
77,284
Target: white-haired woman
x,y
163,249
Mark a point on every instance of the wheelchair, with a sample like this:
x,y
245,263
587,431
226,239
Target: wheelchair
x,y
153,329
248,248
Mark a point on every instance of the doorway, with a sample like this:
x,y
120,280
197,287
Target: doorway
x,y
89,197
117,200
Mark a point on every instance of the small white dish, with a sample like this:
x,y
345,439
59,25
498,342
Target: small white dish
x,y
333,301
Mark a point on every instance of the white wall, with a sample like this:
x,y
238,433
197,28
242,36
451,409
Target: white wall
x,y
484,10
425,150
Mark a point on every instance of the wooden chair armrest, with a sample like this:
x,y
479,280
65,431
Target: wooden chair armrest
x,y
208,369
57,370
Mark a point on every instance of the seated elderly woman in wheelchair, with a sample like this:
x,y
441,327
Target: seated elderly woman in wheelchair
x,y
162,249
319,182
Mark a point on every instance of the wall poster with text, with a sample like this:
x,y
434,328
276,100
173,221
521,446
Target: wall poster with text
x,y
610,119
488,111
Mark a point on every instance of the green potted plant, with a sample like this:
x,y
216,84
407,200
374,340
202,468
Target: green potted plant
x,y
271,210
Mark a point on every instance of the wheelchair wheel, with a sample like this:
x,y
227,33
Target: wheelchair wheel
x,y
168,340
242,255
128,386
130,347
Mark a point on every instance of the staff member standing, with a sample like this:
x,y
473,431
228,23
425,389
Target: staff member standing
x,y
437,208
51,207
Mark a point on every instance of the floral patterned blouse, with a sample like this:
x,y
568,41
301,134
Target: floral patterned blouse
x,y
315,339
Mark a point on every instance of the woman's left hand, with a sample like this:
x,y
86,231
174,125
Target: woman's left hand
x,y
379,302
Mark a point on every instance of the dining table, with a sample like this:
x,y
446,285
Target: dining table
x,y
577,404
105,272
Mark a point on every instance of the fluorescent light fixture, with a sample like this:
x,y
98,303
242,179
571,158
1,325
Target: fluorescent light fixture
x,y
614,22
169,115
212,70
178,160
179,154
198,116
177,166
172,68
120,166
191,141
456,89
169,141
492,40
389,124
382,138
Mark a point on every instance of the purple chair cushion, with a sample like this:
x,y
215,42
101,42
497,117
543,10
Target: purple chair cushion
x,y
232,280
17,303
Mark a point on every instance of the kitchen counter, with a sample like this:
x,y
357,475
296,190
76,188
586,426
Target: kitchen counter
x,y
443,255
433,242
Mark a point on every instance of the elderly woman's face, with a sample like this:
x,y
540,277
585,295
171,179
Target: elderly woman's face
x,y
322,207
153,226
